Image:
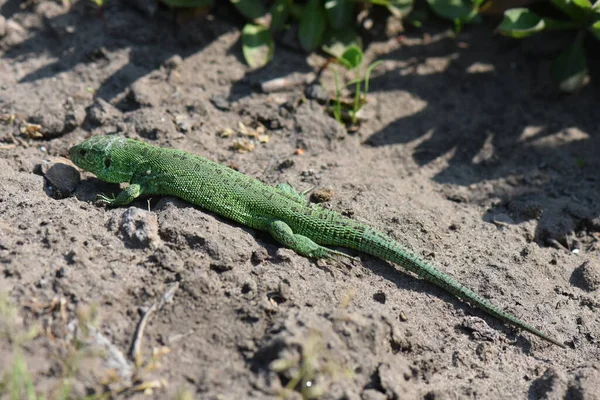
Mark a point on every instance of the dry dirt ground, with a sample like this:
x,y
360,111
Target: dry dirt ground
x,y
469,157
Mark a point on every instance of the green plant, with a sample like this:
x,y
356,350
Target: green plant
x,y
324,23
570,67
16,381
458,11
321,23
351,59
309,369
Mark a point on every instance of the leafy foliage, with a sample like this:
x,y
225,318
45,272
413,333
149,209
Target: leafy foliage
x,y
331,25
352,59
570,67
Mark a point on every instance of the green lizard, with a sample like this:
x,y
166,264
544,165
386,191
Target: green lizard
x,y
303,227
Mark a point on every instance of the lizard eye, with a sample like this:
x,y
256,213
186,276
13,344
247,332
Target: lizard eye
x,y
82,152
107,162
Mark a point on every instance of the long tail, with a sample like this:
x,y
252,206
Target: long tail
x,y
380,245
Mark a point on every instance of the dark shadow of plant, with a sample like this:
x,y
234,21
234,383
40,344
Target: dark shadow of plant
x,y
519,137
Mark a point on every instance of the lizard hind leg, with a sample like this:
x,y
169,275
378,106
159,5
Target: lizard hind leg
x,y
301,244
291,192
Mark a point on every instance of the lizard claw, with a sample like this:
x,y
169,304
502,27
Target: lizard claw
x,y
103,199
342,258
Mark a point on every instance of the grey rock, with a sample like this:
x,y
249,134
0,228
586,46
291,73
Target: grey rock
x,y
140,228
62,177
317,92
220,102
102,112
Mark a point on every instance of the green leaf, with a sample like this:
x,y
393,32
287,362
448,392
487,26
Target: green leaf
x,y
352,57
570,67
251,9
257,45
520,22
280,11
400,8
368,74
339,12
595,29
337,42
575,9
585,4
189,3
312,25
452,9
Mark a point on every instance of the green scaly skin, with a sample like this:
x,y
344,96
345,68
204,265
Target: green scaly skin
x,y
281,211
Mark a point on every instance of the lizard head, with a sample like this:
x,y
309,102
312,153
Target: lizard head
x,y
105,157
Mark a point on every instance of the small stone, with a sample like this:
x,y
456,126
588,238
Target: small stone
x,y
283,255
102,112
220,103
259,255
221,265
321,195
284,290
51,120
285,164
2,26
317,92
140,228
173,62
502,219
479,328
184,123
197,107
62,177
14,33
373,394
587,276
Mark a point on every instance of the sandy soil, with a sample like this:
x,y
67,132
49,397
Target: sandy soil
x,y
469,157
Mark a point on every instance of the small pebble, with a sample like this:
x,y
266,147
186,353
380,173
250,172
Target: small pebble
x,y
61,175
140,228
321,195
317,92
220,103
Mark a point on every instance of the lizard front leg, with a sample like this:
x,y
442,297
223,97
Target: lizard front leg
x,y
126,196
